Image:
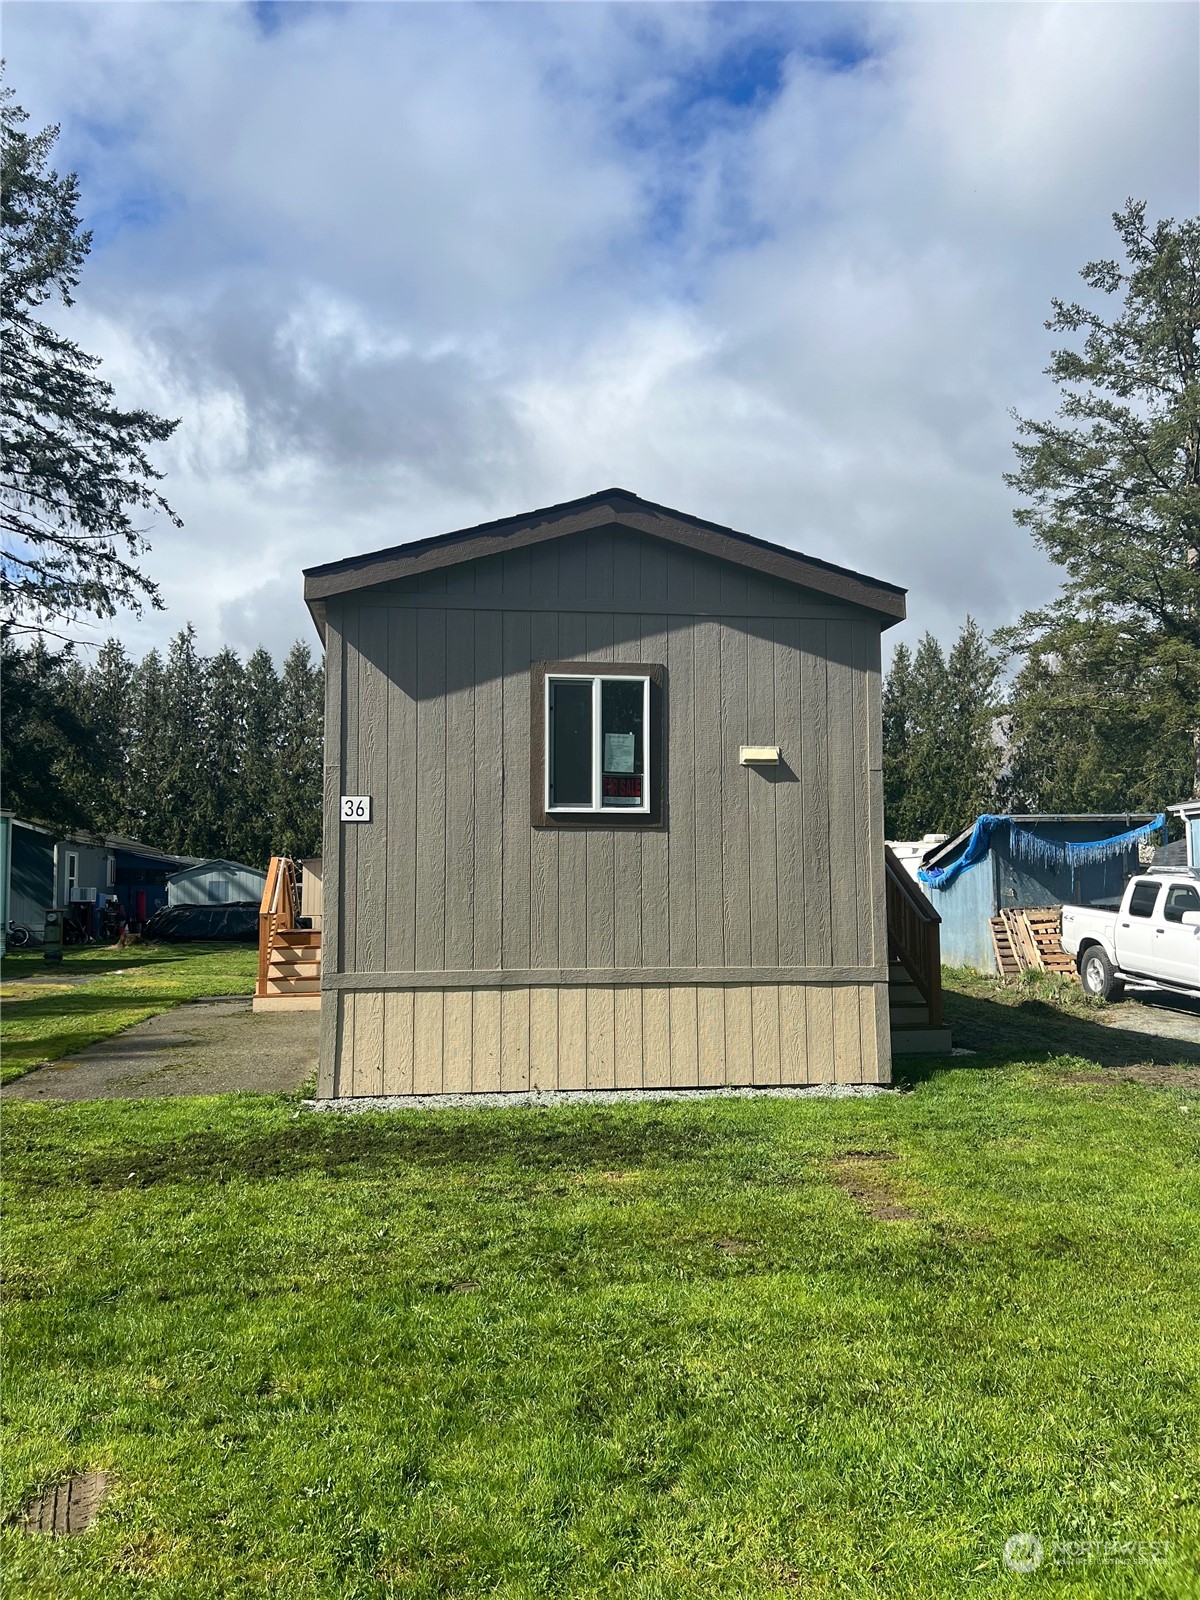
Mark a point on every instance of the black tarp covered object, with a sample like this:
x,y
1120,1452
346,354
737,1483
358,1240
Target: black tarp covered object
x,y
175,924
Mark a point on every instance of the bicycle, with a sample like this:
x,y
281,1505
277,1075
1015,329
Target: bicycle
x,y
17,936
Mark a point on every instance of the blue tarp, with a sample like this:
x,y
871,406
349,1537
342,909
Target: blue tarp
x,y
1028,845
978,846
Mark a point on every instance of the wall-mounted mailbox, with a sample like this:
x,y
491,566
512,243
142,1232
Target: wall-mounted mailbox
x,y
759,755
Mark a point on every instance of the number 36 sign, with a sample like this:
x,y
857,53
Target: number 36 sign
x,y
356,808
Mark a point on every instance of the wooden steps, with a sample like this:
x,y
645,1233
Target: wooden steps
x,y
1030,941
914,965
289,957
913,1031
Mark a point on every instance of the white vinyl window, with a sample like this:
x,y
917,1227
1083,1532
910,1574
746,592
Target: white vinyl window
x,y
597,743
72,871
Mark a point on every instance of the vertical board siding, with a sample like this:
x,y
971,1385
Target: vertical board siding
x,y
333,876
543,842
431,790
600,842
489,746
370,950
651,1036
627,1034
791,867
814,795
762,728
572,844
680,796
708,766
348,925
460,790
514,784
401,879
428,711
735,798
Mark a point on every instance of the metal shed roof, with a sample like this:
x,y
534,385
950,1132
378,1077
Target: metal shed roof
x,y
940,851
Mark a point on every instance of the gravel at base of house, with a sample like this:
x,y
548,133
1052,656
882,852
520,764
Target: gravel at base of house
x,y
589,1097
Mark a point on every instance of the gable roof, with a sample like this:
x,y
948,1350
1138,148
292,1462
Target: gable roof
x,y
599,510
212,863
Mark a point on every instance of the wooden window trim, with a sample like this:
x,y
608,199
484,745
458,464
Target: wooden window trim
x,y
540,817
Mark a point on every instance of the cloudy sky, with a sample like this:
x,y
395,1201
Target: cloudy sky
x,y
402,268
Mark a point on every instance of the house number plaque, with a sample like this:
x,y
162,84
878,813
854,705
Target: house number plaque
x,y
356,808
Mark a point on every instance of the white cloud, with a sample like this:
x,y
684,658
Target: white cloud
x,y
401,268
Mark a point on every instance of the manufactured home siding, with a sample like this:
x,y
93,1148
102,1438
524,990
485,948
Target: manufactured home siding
x,y
758,877
216,883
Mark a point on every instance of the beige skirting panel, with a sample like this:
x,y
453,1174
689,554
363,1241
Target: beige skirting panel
x,y
457,1041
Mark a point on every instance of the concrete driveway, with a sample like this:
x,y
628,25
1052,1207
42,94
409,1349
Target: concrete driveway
x,y
205,1047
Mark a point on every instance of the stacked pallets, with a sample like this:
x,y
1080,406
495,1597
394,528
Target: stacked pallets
x,y
1026,941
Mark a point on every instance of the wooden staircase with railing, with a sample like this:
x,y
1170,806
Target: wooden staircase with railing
x,y
289,956
914,966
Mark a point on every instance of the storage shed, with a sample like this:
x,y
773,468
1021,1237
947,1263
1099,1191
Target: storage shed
x,y
1002,862
216,883
603,809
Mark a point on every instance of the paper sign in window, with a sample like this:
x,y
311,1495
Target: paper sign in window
x,y
618,752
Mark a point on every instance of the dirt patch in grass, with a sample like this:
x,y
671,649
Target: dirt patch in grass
x,y
861,1174
66,1507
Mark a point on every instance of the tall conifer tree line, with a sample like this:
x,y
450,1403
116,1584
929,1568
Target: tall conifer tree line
x,y
198,755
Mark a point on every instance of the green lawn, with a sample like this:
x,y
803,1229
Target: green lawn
x,y
42,1021
735,1348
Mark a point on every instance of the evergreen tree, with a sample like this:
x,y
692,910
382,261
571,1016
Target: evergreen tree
x,y
45,741
255,806
74,469
149,744
1112,494
299,766
226,757
103,701
182,777
942,753
897,734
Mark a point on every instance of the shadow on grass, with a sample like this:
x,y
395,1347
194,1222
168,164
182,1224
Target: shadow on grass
x,y
100,960
1031,1028
530,1146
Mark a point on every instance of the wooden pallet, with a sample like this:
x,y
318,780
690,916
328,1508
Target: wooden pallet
x,y
1007,962
1025,941
1045,930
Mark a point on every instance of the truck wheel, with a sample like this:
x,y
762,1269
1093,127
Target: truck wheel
x,y
1097,976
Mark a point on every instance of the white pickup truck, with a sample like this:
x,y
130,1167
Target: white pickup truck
x,y
1153,937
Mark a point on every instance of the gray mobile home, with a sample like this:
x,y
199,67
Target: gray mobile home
x,y
603,809
216,883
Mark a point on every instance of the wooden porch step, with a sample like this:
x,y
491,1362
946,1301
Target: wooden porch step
x,y
303,938
296,967
286,1002
921,1041
909,1016
293,985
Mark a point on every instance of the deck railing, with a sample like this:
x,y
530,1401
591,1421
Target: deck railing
x,y
276,913
914,936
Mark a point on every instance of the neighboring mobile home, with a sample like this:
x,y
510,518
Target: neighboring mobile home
x,y
603,809
216,883
43,867
1188,812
